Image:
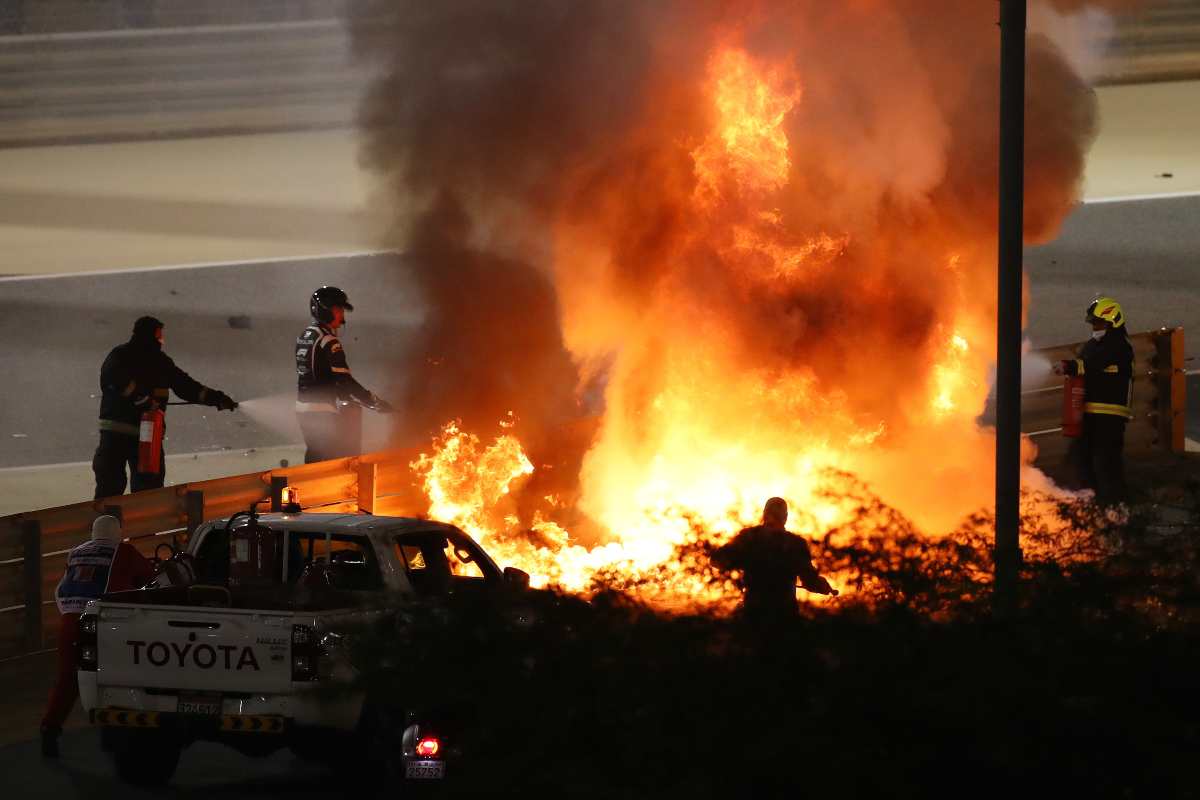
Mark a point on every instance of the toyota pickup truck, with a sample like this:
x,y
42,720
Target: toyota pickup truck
x,y
245,650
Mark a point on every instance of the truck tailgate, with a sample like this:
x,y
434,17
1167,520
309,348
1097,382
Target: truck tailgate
x,y
203,649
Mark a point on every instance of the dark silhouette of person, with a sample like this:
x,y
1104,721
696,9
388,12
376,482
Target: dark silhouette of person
x,y
770,559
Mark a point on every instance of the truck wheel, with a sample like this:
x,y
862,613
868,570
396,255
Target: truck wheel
x,y
141,760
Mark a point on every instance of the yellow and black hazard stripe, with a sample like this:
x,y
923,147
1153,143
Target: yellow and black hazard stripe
x,y
252,723
124,718
118,427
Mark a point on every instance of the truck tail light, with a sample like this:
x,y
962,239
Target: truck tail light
x,y
428,747
86,650
304,653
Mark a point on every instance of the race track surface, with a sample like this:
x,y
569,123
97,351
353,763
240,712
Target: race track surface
x,y
232,327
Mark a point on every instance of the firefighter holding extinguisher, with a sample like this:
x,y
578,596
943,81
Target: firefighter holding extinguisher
x,y
1105,363
136,380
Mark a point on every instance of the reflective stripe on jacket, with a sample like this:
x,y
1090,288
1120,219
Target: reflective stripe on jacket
x,y
1106,365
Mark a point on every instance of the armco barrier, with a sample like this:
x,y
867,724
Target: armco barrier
x,y
1159,403
33,545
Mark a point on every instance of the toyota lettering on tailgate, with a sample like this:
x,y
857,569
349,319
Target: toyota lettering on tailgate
x,y
204,656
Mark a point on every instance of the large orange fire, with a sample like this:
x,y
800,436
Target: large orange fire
x,y
697,431
706,252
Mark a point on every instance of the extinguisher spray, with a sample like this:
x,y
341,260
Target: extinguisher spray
x,y
150,436
1072,410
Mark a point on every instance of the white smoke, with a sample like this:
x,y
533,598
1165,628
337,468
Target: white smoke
x,y
276,413
1082,36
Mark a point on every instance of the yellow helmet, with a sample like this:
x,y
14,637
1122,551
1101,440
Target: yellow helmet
x,y
1107,310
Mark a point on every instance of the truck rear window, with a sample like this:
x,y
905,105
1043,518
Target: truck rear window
x,y
340,561
335,560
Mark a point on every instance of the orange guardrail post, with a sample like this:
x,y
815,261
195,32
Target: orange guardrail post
x,y
1170,389
194,510
367,479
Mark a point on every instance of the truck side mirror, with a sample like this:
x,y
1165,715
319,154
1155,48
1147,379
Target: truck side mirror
x,y
516,578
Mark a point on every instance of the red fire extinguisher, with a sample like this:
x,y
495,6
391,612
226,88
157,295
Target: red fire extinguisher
x,y
1072,410
150,436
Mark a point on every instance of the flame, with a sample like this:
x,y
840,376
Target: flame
x,y
749,144
952,384
466,482
707,415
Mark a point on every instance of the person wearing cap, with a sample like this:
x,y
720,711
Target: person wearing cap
x,y
329,401
136,377
103,564
771,559
1106,363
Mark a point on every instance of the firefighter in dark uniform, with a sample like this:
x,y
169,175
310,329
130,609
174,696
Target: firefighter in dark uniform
x,y
1106,364
771,559
329,401
136,377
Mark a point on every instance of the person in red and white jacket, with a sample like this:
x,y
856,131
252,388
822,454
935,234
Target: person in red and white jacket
x,y
104,564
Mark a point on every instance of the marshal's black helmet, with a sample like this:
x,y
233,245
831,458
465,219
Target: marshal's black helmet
x,y
324,299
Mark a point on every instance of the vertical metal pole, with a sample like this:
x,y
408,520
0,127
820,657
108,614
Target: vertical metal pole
x,y
195,510
1008,324
31,546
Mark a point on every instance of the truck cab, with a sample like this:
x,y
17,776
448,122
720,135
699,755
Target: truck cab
x,y
242,651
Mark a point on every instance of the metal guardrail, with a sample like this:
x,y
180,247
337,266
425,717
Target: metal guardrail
x,y
1159,400
33,545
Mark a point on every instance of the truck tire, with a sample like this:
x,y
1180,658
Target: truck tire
x,y
142,758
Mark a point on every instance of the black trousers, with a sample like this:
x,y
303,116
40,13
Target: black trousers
x,y
1099,456
331,435
116,453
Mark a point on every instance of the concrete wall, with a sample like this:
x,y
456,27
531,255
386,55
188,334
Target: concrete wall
x,y
61,16
1161,42
103,70
148,83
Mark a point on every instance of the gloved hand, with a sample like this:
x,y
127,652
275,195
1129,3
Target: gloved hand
x,y
221,401
821,586
1060,368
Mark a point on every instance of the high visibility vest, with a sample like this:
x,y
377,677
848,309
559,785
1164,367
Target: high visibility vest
x,y
86,578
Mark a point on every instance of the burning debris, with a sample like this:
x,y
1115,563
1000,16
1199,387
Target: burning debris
x,y
705,253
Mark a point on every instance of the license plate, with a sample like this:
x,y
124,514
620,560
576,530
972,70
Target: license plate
x,y
199,706
425,770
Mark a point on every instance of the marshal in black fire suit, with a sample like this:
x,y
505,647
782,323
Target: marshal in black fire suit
x,y
135,377
329,401
771,559
1106,364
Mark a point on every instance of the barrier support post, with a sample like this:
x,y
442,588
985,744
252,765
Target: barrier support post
x,y
195,510
367,476
31,545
